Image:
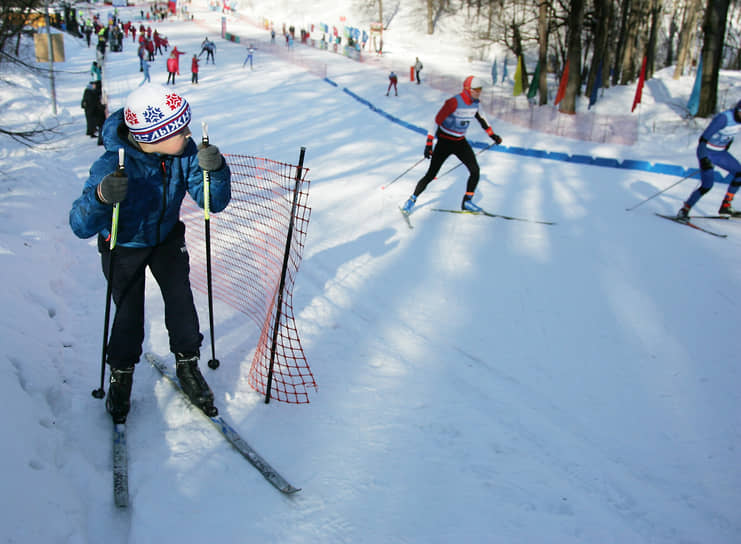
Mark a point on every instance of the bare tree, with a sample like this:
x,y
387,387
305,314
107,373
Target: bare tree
x,y
687,33
603,16
621,40
430,16
655,8
714,31
673,29
543,11
14,16
634,41
573,84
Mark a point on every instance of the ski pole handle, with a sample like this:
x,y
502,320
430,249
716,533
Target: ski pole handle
x,y
204,129
206,176
116,206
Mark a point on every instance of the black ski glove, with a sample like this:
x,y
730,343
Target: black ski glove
x,y
113,188
497,139
428,147
209,157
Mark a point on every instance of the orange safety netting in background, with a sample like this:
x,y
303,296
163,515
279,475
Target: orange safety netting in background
x,y
248,249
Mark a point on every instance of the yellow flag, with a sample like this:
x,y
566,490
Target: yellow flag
x,y
518,78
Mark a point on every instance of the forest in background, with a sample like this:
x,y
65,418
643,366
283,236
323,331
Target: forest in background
x,y
604,42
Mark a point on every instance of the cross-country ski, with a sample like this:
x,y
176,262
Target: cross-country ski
x,y
405,215
489,214
120,466
692,225
231,434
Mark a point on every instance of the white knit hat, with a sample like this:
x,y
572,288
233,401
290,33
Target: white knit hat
x,y
154,113
472,82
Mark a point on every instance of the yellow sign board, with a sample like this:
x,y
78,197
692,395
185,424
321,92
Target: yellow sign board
x,y
41,43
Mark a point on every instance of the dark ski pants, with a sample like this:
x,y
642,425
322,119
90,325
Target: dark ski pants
x,y
91,118
170,267
721,159
444,149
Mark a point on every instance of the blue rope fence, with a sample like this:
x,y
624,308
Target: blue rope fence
x,y
626,164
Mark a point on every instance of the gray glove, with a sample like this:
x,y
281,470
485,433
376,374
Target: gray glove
x,y
209,157
113,188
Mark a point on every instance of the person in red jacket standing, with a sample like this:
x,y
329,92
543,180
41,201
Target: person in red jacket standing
x,y
172,67
452,122
194,70
175,53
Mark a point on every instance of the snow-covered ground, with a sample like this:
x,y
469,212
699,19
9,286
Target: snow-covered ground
x,y
480,380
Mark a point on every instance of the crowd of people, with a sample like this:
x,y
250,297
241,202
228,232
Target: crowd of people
x,y
112,34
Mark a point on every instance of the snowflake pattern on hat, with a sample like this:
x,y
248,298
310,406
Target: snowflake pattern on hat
x,y
153,113
173,101
130,117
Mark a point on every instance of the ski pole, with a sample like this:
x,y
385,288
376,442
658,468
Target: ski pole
x,y
100,393
457,165
214,362
402,174
692,173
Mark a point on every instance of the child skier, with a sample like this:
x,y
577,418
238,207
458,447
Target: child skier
x,y
162,163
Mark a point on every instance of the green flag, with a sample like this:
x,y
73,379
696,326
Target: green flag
x,y
533,90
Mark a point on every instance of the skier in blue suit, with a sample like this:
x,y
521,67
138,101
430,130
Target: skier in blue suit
x,y
712,151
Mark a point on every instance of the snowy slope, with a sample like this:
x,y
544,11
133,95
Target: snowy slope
x,y
480,380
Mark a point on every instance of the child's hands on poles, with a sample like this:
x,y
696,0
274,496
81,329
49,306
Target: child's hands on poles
x,y
113,188
209,157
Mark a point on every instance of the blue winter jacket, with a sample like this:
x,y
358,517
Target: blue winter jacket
x,y
157,186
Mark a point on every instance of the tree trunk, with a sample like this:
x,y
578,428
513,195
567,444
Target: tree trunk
x,y
633,49
543,52
430,17
603,16
714,30
576,17
625,10
670,41
656,9
686,35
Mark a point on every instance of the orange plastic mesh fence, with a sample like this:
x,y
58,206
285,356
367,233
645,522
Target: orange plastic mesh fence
x,y
248,244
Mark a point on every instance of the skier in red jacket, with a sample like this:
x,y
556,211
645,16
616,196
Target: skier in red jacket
x,y
452,122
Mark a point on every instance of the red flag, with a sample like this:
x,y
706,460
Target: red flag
x,y
562,86
639,89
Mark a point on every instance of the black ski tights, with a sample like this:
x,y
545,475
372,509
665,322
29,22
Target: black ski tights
x,y
444,149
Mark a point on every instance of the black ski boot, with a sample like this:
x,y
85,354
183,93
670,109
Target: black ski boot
x,y
726,209
683,215
119,392
193,383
